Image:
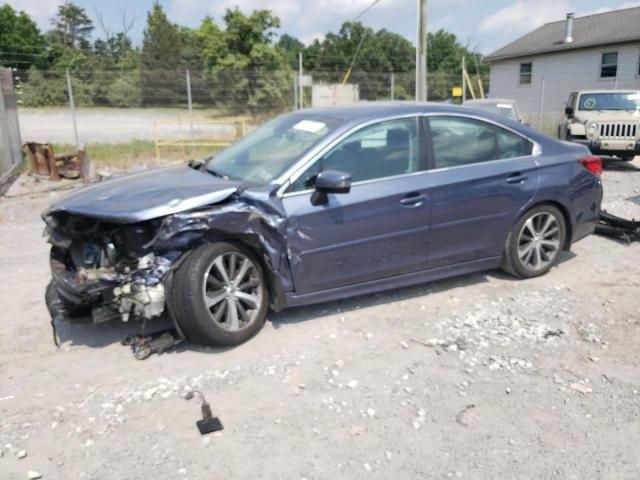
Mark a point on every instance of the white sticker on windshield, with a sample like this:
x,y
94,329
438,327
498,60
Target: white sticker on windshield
x,y
504,105
633,96
309,126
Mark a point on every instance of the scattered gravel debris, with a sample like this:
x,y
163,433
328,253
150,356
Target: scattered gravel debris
x,y
580,388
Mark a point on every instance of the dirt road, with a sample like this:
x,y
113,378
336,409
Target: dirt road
x,y
478,377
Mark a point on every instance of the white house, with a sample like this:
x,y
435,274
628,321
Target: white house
x,y
540,69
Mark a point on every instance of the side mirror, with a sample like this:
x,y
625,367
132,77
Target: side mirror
x,y
568,110
330,181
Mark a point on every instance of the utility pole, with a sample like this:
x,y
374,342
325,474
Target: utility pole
x,y
464,82
301,88
421,53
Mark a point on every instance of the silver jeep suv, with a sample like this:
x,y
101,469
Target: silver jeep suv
x,y
606,121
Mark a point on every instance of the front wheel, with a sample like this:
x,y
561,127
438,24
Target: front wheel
x,y
535,242
219,295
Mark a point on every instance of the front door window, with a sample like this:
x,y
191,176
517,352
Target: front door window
x,y
382,150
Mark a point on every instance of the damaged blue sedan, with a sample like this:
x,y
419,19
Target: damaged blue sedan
x,y
318,205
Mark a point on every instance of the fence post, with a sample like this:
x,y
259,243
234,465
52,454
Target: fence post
x,y
301,94
393,85
541,106
6,164
73,110
189,103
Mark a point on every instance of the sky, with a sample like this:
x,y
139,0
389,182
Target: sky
x,y
484,25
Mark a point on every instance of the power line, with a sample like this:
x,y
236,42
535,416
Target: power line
x,y
373,4
355,55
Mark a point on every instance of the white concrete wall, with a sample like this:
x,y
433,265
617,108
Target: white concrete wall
x,y
563,73
327,95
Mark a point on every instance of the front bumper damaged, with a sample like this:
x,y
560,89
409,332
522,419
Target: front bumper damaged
x,y
103,294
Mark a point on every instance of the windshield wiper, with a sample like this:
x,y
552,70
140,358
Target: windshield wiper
x,y
216,174
196,164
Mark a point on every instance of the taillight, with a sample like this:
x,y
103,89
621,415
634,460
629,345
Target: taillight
x,y
592,163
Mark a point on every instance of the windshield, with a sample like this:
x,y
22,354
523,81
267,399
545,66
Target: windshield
x,y
505,109
270,150
610,101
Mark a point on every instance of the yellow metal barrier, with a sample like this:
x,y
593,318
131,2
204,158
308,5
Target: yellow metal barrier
x,y
239,125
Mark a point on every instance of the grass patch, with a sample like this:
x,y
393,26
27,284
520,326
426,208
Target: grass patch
x,y
135,153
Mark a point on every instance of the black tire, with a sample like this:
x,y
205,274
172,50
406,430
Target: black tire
x,y
512,262
628,158
187,297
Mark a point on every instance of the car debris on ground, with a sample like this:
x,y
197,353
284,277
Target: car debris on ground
x,y
617,227
209,423
46,164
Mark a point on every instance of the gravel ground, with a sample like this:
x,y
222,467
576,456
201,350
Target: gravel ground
x,y
477,377
115,126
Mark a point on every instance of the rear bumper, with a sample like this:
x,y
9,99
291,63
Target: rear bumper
x,y
618,148
587,213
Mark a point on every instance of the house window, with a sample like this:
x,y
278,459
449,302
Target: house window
x,y
609,65
525,73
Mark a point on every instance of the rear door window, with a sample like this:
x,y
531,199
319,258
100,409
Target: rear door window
x,y
459,141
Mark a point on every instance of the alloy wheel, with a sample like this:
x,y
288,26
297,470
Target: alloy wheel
x,y
233,291
539,241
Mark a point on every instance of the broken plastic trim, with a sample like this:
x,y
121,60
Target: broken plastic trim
x,y
209,423
617,227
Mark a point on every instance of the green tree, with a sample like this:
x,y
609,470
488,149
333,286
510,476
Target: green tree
x,y
248,72
290,47
125,91
21,43
72,26
444,64
43,90
160,60
213,43
379,54
244,32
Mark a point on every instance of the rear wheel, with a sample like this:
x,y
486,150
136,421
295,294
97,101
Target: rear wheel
x,y
219,295
535,242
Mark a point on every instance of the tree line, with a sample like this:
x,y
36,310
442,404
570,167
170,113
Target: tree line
x,y
241,64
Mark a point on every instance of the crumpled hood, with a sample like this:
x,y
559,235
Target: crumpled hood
x,y
146,195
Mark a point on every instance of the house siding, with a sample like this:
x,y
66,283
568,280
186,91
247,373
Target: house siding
x,y
563,72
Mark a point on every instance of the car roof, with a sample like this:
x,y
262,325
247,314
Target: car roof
x,y
489,101
370,110
630,90
363,112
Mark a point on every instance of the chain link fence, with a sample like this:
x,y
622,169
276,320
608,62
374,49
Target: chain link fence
x,y
190,113
10,142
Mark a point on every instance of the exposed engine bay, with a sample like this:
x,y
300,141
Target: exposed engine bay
x,y
107,271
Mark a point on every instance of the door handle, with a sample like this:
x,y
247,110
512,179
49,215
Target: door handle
x,y
516,178
413,200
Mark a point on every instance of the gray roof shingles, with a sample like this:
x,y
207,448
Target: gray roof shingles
x,y
617,26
